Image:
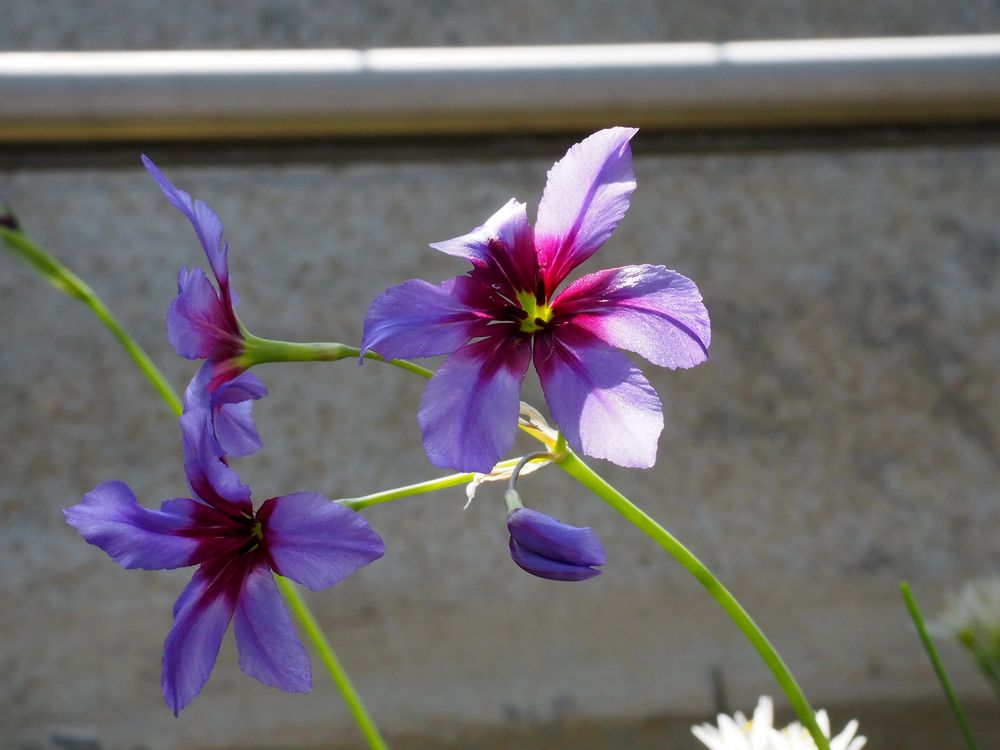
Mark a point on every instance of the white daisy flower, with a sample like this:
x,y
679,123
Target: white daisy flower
x,y
972,615
759,733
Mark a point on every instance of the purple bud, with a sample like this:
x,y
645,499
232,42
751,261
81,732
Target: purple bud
x,y
548,548
7,217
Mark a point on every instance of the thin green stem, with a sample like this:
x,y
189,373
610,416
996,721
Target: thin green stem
x,y
337,672
452,480
260,350
580,471
925,639
69,283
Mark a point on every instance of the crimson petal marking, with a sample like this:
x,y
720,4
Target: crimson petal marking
x,y
419,319
314,541
269,649
645,309
468,412
602,403
201,617
111,518
198,325
502,250
586,195
209,477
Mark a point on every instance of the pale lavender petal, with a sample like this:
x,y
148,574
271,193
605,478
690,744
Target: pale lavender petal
x,y
586,195
236,430
315,541
545,567
201,617
232,409
198,323
468,413
646,309
269,649
196,395
601,402
549,537
206,223
502,249
210,478
419,319
111,518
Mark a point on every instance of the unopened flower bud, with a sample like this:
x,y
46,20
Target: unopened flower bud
x,y
7,217
548,548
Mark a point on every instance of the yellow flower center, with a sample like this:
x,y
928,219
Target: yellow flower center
x,y
538,314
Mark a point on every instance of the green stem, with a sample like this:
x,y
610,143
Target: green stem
x,y
260,350
337,672
69,283
925,639
452,480
590,479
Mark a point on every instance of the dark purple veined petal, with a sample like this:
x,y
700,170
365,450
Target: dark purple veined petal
x,y
501,250
270,650
545,567
419,319
549,537
111,518
645,309
586,195
198,325
201,616
316,542
206,223
601,402
209,477
468,412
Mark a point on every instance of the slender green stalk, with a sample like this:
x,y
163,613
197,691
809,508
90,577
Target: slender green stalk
x,y
69,283
337,672
260,350
925,639
452,480
590,479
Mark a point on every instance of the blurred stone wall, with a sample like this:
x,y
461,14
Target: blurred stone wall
x,y
843,435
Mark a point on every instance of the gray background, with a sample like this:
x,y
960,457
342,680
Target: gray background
x,y
842,437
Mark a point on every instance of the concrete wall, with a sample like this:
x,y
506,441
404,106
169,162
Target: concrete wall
x,y
843,435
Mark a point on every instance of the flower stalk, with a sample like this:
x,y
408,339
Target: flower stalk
x,y
932,654
259,351
580,471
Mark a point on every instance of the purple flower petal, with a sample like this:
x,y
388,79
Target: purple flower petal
x,y
549,537
269,649
232,404
646,309
468,413
316,542
206,223
586,195
201,616
545,567
601,402
198,324
502,249
419,319
209,476
111,518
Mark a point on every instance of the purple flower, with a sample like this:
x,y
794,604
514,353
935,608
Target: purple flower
x,y
230,406
505,313
548,548
303,536
201,321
